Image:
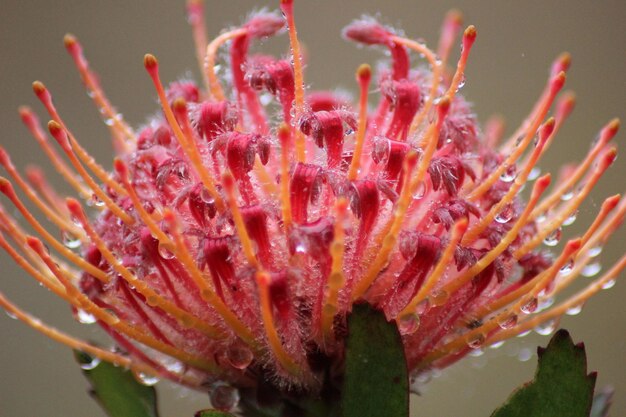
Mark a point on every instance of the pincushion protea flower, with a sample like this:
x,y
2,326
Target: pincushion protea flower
x,y
234,241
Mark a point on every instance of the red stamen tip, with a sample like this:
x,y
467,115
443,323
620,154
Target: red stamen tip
x,y
70,41
39,89
74,207
58,133
364,73
150,62
469,36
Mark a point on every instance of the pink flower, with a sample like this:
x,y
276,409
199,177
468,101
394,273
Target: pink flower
x,y
234,235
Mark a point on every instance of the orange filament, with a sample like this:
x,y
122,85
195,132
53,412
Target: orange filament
x,y
33,125
570,207
46,99
606,134
363,76
246,244
389,237
62,223
38,181
556,84
274,340
211,53
57,131
83,346
336,279
458,230
561,63
557,311
44,279
195,14
265,179
546,132
298,76
284,136
184,256
493,323
469,36
183,317
7,189
187,143
118,126
539,187
145,217
82,301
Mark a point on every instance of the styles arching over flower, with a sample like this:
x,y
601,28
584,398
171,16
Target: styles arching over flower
x,y
240,225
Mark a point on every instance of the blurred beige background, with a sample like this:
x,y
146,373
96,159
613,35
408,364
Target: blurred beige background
x,y
508,65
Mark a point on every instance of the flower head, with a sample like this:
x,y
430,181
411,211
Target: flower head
x,y
239,227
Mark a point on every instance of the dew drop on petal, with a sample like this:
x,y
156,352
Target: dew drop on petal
x,y
530,306
223,397
546,328
595,251
239,355
553,238
509,174
10,315
408,323
534,174
90,365
164,252
609,284
439,297
84,317
505,214
146,379
476,341
524,354
420,190
570,219
567,268
591,270
70,241
567,196
497,345
572,311
508,322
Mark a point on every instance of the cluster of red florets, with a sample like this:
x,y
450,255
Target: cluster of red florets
x,y
236,243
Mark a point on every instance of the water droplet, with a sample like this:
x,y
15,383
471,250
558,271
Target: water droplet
x,y
439,297
508,322
223,397
206,196
109,121
534,174
567,268
10,315
509,174
497,345
146,379
572,311
84,317
94,201
423,306
553,238
530,306
91,94
419,191
239,356
609,284
505,214
567,196
164,252
461,82
524,334
90,365
408,323
545,302
571,218
591,269
70,241
546,328
541,218
595,251
476,341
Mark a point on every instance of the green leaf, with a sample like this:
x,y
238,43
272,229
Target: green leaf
x,y
213,413
116,389
376,379
561,386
